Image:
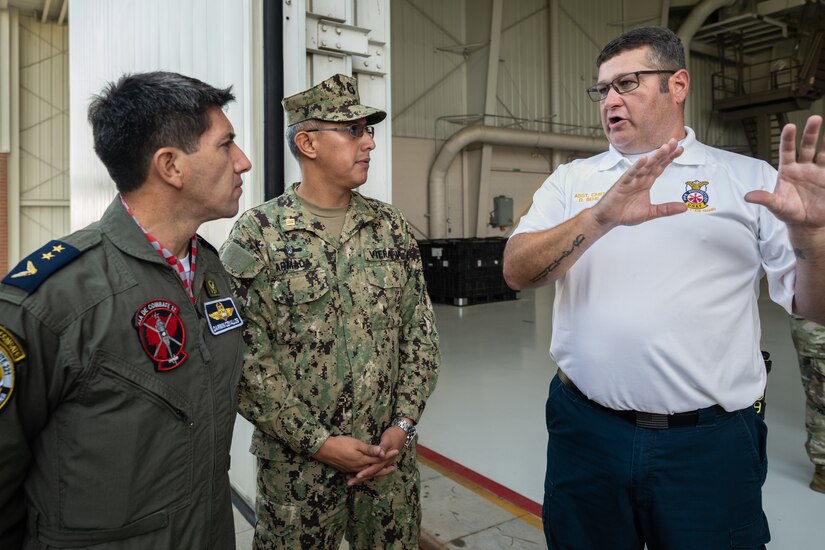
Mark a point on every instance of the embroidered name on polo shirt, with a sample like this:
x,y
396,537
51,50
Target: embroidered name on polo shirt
x,y
588,197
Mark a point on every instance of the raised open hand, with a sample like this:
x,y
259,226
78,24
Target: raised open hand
x,y
799,196
627,202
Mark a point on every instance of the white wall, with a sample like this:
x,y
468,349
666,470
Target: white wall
x,y
206,39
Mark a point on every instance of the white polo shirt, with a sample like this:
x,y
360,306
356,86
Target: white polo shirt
x,y
662,317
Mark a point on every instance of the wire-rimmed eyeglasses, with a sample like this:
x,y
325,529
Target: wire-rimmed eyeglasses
x,y
355,130
622,84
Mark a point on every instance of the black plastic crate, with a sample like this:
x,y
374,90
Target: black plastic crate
x,y
465,271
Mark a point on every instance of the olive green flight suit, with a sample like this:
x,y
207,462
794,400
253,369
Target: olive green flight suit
x,y
98,449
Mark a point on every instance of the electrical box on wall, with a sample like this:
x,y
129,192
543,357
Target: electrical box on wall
x,y
502,214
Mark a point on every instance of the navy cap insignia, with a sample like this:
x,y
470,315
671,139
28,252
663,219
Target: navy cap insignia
x,y
161,333
222,315
10,353
37,266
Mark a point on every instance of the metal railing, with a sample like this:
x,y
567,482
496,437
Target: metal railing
x,y
776,74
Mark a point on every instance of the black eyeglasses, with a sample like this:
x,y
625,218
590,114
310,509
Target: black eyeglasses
x,y
355,130
622,84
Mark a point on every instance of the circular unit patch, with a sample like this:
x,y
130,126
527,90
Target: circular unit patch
x,y
161,333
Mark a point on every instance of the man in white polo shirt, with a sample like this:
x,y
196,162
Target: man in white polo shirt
x,y
656,248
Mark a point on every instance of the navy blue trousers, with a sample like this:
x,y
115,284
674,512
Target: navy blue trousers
x,y
613,486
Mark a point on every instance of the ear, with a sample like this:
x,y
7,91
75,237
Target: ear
x,y
679,85
167,163
306,144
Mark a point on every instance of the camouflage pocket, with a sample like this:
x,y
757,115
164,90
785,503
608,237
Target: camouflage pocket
x,y
277,525
299,307
386,281
816,385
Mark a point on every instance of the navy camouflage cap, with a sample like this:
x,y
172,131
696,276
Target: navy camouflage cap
x,y
335,100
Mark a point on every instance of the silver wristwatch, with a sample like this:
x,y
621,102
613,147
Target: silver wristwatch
x,y
407,427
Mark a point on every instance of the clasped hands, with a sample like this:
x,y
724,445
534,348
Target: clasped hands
x,y
360,461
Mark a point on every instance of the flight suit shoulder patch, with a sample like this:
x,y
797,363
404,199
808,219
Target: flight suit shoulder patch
x,y
239,262
11,352
38,266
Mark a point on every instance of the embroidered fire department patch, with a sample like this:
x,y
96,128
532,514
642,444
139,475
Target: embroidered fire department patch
x,y
695,197
161,333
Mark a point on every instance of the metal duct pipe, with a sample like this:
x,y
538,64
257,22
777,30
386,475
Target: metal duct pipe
x,y
495,136
695,20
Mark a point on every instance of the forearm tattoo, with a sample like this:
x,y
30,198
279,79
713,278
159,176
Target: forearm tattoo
x,y
800,255
557,262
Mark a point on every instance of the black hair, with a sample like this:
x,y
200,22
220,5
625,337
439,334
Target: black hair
x,y
666,51
140,113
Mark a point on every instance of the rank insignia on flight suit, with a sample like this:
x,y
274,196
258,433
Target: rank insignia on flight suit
x,y
10,353
222,315
212,288
161,333
37,266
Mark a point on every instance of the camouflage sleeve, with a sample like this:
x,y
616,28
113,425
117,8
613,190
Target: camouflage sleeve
x,y
419,358
265,396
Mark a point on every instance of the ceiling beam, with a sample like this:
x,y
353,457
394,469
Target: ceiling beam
x,y
47,5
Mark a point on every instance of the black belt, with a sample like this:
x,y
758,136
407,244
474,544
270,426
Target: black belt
x,y
654,421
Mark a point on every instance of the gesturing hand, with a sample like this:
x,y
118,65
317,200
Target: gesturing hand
x,y
627,202
799,196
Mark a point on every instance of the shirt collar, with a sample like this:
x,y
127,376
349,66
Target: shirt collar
x,y
694,154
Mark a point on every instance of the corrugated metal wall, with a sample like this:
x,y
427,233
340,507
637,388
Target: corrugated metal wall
x,y
422,94
428,82
584,28
44,133
523,76
708,126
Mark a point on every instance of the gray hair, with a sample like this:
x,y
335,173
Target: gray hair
x,y
293,131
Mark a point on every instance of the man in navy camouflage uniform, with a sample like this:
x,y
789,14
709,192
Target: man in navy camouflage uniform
x,y
809,339
342,346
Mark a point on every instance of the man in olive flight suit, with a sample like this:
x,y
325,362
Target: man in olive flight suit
x,y
342,347
120,344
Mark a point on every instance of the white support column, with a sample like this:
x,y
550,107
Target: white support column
x,y
349,37
489,108
373,74
5,77
14,133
